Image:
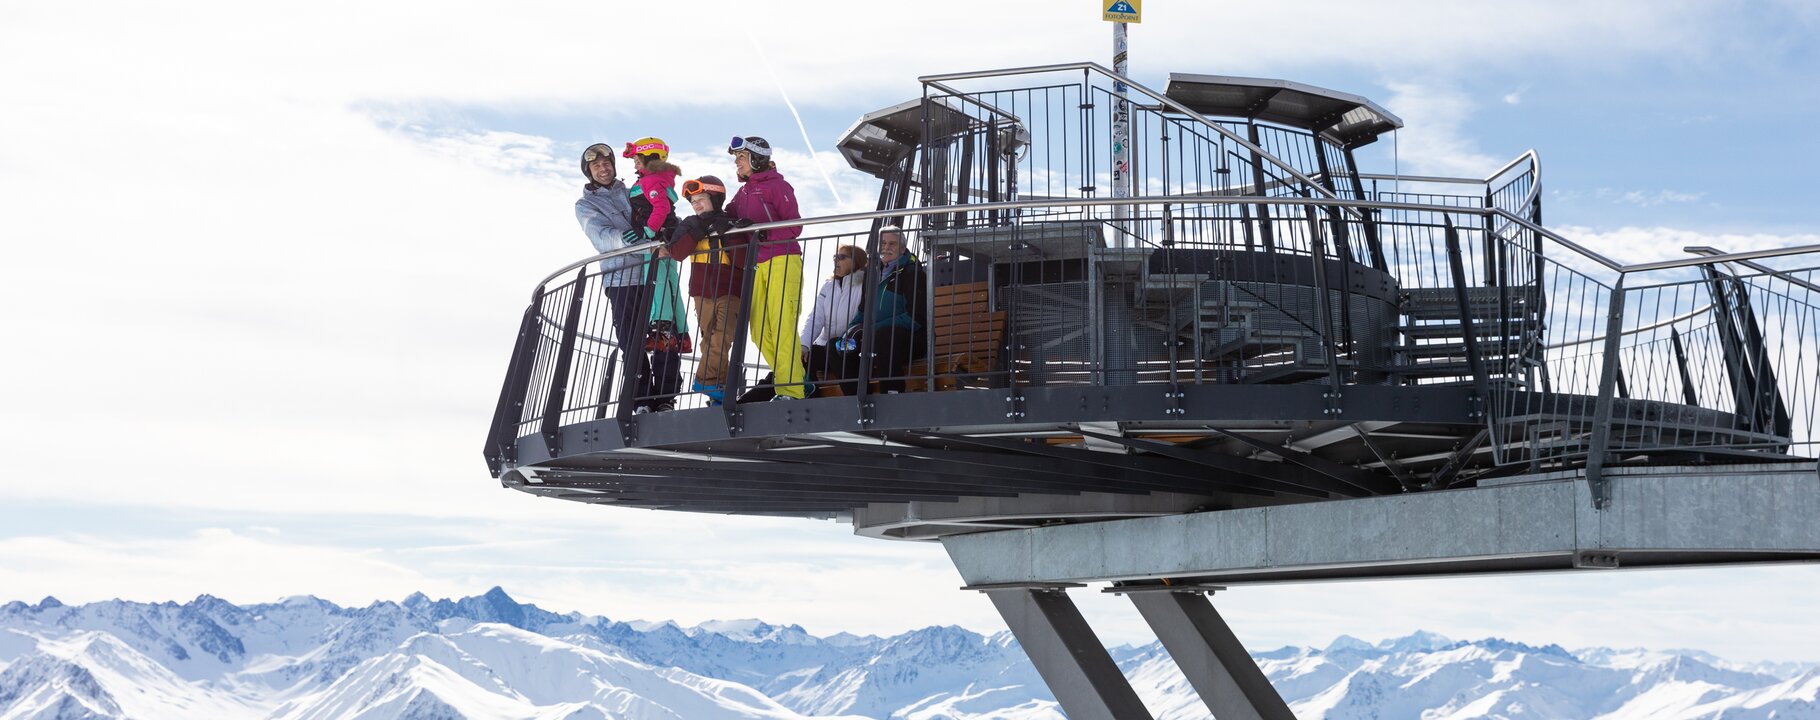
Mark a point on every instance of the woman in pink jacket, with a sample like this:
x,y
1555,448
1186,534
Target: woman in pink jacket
x,y
777,283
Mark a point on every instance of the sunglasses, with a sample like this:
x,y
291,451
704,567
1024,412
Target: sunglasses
x,y
596,152
843,256
697,187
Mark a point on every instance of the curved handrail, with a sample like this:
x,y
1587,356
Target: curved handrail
x,y
1173,104
1534,159
1609,263
1588,253
1646,328
1038,204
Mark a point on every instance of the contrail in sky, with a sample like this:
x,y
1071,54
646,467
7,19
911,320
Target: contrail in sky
x,y
793,113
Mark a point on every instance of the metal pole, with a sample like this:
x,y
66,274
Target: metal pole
x,y
1066,653
1210,655
1121,125
1602,408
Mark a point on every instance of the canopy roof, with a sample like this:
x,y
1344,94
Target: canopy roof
x,y
1345,119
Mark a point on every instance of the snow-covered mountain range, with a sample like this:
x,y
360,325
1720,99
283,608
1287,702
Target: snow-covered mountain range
x,y
492,657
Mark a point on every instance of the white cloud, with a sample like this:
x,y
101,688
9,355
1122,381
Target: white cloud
x,y
1436,141
1697,608
1642,198
1637,245
623,564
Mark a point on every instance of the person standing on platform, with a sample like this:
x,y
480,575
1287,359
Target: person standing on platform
x,y
653,203
716,273
777,281
605,214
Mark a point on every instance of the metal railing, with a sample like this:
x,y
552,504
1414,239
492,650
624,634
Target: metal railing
x,y
1574,360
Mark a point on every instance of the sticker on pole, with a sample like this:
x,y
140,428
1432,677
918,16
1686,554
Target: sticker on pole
x,y
1125,11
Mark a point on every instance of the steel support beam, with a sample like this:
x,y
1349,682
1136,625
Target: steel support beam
x,y
1066,653
1212,658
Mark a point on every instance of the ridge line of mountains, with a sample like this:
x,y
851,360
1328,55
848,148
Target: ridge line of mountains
x,y
489,656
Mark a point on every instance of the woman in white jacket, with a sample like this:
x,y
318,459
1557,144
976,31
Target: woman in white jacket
x,y
836,304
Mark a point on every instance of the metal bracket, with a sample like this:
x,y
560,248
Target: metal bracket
x,y
628,431
1596,560
1014,406
1331,399
1165,586
1037,586
1173,398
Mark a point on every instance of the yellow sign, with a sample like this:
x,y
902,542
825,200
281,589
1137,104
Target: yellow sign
x,y
1125,11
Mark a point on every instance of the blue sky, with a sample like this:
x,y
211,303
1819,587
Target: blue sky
x,y
265,261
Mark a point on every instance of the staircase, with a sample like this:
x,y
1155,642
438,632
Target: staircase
x,y
1433,348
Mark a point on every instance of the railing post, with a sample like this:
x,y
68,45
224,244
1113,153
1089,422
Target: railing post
x,y
502,440
1469,331
559,378
1602,409
868,340
1265,231
735,384
1368,218
638,362
1323,313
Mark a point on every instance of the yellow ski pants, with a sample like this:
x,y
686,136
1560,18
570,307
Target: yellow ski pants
x,y
777,297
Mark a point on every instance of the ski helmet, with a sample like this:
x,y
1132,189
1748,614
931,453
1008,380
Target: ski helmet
x,y
647,146
758,151
716,190
596,152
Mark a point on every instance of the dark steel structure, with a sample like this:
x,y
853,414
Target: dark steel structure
x,y
1265,324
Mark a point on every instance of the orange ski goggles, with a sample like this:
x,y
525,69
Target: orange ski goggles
x,y
691,188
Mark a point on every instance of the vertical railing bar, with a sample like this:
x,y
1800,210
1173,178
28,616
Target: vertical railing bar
x,y
1469,333
502,439
559,378
1603,402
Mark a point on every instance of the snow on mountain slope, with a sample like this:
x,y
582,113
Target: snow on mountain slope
x,y
489,656
108,678
46,686
497,671
919,669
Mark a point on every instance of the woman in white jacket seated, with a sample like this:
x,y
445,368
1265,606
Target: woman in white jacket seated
x,y
836,304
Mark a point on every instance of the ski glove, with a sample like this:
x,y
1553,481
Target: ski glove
x,y
631,236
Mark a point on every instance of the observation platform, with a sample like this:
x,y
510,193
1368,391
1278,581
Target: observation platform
x,y
1272,325
1267,364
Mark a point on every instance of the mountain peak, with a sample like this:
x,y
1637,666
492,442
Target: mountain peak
x,y
1418,641
499,595
1347,643
49,602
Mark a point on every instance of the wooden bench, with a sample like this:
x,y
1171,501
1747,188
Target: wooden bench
x,y
968,336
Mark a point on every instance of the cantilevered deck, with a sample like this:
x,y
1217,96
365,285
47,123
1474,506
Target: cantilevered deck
x,y
1267,364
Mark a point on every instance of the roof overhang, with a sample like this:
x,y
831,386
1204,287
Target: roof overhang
x,y
1345,119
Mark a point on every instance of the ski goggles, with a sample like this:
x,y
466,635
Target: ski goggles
x,y
692,188
596,152
759,148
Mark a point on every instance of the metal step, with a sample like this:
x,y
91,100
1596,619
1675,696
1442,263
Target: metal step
x,y
1432,369
1487,329
1444,304
1264,342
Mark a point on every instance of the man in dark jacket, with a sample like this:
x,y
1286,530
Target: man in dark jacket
x,y
899,319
